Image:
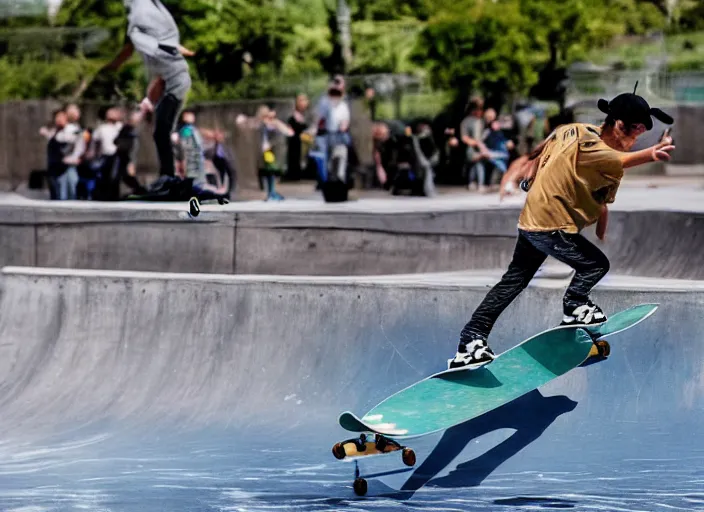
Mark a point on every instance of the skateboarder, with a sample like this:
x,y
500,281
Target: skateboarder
x,y
574,174
152,31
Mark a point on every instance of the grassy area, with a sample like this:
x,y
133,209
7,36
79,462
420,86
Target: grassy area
x,y
684,52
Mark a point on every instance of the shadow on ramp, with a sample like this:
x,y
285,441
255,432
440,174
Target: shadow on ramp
x,y
530,415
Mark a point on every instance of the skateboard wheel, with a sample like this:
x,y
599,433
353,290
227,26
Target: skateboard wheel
x,y
380,443
194,207
339,451
604,348
409,457
360,486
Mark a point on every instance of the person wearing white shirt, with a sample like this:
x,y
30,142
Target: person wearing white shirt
x,y
333,124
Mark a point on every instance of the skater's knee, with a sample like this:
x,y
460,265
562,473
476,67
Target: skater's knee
x,y
604,266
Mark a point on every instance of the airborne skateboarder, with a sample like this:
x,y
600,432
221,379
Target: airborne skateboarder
x,y
152,31
574,173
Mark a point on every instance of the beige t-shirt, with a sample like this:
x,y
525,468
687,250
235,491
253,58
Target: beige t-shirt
x,y
577,175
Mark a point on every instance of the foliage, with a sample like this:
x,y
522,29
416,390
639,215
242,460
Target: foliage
x,y
489,50
384,47
249,49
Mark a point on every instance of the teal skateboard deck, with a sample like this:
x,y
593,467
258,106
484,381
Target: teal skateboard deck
x,y
451,397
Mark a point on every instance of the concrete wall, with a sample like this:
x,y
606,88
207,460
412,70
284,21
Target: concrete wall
x,y
645,243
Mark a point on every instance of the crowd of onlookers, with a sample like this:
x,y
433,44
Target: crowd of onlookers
x,y
92,163
84,163
477,149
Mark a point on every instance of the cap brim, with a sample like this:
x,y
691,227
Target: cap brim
x,y
661,116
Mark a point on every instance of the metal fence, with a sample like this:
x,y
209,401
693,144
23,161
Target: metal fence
x,y
683,88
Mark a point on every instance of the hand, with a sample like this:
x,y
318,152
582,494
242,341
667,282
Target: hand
x,y
507,187
661,151
146,106
381,175
185,51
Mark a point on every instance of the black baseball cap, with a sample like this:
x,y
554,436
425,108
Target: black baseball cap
x,y
631,108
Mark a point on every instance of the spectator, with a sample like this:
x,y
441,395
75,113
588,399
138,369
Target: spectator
x,y
192,157
103,153
269,127
333,111
192,142
65,140
217,153
471,132
333,122
299,124
386,138
58,146
126,150
404,157
498,146
428,155
69,180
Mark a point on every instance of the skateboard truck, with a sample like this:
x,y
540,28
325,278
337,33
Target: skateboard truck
x,y
362,446
599,352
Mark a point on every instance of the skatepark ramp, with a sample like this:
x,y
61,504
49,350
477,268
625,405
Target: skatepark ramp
x,y
138,391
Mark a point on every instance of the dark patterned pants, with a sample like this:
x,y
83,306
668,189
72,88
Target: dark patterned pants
x,y
165,116
532,248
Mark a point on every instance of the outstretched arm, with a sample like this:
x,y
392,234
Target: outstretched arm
x,y
283,128
660,152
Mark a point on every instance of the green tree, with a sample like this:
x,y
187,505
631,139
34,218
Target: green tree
x,y
486,49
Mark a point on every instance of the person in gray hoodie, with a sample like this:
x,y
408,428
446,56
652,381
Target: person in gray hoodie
x,y
152,31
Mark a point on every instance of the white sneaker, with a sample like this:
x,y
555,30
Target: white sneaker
x,y
586,314
471,356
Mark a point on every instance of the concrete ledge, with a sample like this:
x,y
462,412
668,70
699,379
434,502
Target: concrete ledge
x,y
471,279
656,232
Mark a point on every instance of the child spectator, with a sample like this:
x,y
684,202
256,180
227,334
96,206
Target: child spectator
x,y
496,142
269,128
